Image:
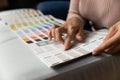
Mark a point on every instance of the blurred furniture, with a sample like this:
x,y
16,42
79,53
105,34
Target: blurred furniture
x,y
3,4
57,8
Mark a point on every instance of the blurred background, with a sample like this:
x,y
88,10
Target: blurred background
x,y
57,8
14,4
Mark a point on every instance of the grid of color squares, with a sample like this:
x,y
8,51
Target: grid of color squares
x,y
33,30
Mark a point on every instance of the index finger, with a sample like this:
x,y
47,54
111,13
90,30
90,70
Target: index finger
x,y
70,36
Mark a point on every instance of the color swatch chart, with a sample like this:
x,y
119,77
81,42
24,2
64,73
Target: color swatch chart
x,y
32,28
34,33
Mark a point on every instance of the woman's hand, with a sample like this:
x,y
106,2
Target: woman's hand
x,y
73,27
111,44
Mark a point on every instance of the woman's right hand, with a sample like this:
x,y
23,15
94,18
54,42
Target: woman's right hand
x,y
73,27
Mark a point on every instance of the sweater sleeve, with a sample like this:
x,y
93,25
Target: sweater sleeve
x,y
74,10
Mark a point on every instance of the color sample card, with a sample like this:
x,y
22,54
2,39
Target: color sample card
x,y
31,26
36,29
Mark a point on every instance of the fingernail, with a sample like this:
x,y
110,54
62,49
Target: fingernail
x,y
66,48
94,53
49,39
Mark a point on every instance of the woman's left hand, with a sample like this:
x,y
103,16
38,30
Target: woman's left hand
x,y
111,43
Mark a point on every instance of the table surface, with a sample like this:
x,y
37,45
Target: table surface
x,y
18,62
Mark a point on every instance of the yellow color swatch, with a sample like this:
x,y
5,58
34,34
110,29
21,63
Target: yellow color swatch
x,y
36,22
12,26
18,25
31,23
25,39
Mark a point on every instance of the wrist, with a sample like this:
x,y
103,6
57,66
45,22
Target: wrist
x,y
75,21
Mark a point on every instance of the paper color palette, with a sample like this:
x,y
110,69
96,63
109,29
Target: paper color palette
x,y
31,26
33,30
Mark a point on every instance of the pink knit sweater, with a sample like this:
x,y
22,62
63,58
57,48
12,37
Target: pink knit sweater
x,y
102,13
